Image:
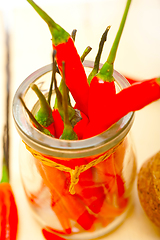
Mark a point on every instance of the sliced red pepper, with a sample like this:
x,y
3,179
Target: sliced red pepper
x,y
61,212
56,181
50,235
109,211
50,179
86,220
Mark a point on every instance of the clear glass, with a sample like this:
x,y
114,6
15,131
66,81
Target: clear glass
x,y
102,194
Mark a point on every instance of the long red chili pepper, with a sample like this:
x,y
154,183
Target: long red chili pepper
x,y
76,78
8,213
102,88
132,98
8,208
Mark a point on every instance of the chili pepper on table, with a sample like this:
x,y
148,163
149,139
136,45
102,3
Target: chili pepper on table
x,y
8,207
76,78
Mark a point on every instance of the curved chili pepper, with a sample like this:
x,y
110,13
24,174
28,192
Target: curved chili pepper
x,y
132,98
75,75
131,80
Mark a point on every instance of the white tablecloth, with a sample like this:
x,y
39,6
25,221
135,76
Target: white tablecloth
x,y
138,56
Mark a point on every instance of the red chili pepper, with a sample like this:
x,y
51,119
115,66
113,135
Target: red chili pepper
x,y
101,92
132,98
76,78
8,213
86,220
102,88
131,80
58,123
92,195
8,208
81,126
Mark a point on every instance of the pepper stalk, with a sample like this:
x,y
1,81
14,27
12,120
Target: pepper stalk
x,y
68,132
44,115
98,56
106,72
59,35
5,164
33,119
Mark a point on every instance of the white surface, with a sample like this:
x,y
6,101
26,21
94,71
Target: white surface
x,y
138,56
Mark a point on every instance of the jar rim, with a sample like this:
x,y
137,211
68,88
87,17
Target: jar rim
x,y
64,148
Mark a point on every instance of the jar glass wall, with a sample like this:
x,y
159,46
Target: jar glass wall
x,y
81,189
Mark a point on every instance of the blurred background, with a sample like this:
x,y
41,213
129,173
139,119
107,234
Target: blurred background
x,y
25,46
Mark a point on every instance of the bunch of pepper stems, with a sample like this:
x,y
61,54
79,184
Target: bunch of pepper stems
x,y
97,107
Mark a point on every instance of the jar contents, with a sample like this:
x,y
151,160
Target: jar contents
x,y
102,192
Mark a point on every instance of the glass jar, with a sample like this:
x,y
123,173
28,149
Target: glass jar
x,y
78,189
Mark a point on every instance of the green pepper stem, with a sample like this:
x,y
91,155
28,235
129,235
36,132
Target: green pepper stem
x,y
106,72
65,97
43,102
59,35
32,118
98,57
73,34
44,115
85,53
53,80
158,81
68,132
5,164
112,55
